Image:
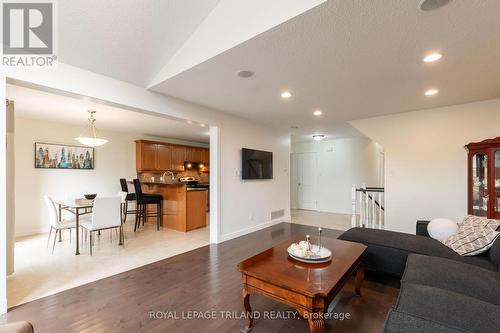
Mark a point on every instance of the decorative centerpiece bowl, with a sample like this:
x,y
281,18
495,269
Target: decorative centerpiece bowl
x,y
306,252
90,196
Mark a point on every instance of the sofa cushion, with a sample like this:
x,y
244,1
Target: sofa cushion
x,y
400,322
454,276
481,260
494,252
472,239
387,250
398,240
472,220
448,308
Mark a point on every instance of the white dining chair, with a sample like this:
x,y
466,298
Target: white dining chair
x,y
123,202
56,223
106,214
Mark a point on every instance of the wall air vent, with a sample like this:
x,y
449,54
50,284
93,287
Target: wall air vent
x,y
277,214
428,5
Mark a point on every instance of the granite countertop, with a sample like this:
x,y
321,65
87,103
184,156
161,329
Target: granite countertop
x,y
162,183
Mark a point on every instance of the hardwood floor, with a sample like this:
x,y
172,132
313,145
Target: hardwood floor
x,y
195,284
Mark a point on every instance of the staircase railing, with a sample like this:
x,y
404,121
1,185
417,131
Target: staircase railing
x,y
368,204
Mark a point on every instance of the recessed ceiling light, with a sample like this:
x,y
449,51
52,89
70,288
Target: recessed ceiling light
x,y
428,5
286,94
203,125
190,122
431,92
318,137
245,74
317,113
433,57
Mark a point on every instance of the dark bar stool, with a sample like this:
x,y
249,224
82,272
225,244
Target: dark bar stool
x,y
143,200
129,198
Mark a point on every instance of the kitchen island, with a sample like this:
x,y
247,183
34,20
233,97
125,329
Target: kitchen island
x,y
184,208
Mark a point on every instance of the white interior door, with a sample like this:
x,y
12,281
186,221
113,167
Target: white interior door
x,y
306,181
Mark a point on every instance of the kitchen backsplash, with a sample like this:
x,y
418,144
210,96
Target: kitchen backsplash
x,y
167,178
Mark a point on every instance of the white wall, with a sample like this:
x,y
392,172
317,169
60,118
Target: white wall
x,y
340,164
246,205
425,159
234,133
113,161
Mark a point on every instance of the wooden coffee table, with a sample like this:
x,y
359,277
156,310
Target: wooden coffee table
x,y
308,288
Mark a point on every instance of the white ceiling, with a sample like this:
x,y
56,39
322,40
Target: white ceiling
x,y
126,39
35,104
352,59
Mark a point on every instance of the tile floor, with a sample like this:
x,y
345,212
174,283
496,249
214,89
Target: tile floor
x,y
38,273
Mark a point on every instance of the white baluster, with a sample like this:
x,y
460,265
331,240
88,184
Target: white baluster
x,y
380,226
383,213
373,210
361,211
353,201
367,210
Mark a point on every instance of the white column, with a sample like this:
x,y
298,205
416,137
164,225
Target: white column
x,y
215,229
10,189
3,192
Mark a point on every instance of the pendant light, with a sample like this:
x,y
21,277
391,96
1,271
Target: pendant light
x,y
89,135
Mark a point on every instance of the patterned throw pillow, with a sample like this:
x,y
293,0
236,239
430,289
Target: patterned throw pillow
x,y
472,239
472,220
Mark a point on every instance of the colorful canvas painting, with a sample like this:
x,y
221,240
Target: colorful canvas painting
x,y
54,156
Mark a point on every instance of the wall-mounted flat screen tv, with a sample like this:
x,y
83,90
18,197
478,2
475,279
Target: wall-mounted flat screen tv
x,y
256,164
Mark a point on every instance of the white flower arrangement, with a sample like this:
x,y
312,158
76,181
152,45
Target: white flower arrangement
x,y
302,249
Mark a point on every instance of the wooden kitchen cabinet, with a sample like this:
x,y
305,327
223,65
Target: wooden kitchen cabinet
x,y
183,210
161,156
189,154
196,210
178,157
164,157
205,157
153,156
194,154
146,157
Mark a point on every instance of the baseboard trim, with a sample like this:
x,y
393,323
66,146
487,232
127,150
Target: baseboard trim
x,y
33,232
3,306
257,227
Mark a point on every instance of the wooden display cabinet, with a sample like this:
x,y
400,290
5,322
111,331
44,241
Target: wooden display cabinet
x,y
483,169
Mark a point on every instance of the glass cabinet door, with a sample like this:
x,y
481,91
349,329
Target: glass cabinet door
x,y
497,183
480,184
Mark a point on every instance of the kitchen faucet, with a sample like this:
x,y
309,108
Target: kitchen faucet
x,y
172,175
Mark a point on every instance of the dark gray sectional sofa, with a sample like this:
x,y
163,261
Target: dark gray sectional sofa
x,y
441,291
